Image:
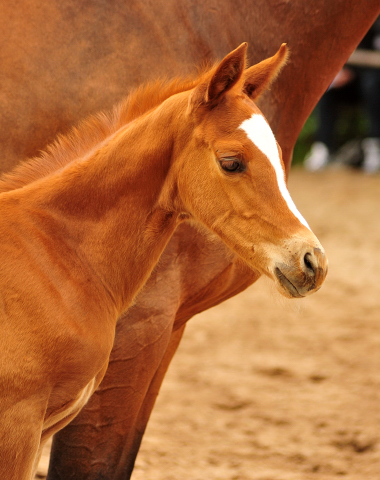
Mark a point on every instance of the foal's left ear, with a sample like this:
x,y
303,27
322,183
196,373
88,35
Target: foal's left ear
x,y
227,74
259,77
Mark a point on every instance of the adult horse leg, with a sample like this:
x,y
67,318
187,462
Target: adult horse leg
x,y
119,410
134,435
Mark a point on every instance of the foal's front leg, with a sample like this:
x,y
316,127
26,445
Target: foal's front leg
x,y
21,427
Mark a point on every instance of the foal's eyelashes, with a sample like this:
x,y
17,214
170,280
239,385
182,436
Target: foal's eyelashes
x,y
232,165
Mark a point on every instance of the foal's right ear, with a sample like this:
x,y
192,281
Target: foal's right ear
x,y
259,77
225,76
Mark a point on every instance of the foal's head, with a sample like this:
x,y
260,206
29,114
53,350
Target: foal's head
x,y
230,176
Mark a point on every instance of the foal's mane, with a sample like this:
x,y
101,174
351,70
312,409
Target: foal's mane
x,y
91,132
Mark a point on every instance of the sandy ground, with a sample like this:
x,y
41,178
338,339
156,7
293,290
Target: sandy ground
x,y
269,389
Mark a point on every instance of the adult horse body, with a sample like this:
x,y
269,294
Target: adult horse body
x,y
80,241
61,61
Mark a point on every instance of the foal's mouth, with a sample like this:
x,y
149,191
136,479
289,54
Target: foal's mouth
x,y
287,284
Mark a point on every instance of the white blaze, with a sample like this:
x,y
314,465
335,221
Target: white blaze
x,y
259,132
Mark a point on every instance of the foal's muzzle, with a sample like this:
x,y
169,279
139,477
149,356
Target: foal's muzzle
x,y
304,274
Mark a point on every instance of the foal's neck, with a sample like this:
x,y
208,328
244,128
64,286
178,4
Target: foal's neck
x,y
116,205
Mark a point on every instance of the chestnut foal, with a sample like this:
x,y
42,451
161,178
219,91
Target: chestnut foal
x,y
79,242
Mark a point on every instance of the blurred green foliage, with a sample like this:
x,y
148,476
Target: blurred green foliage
x,y
305,139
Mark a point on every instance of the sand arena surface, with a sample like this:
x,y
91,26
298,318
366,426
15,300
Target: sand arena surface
x,y
263,388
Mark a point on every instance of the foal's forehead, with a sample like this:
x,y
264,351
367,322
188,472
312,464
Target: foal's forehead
x,y
260,134
249,126
241,123
230,114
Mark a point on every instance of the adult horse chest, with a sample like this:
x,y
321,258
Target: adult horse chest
x,y
81,240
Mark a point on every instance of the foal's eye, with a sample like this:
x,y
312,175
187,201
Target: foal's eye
x,y
232,165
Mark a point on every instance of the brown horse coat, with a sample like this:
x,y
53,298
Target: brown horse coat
x,y
60,62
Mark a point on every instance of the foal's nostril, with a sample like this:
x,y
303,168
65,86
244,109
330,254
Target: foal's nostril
x,y
308,259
